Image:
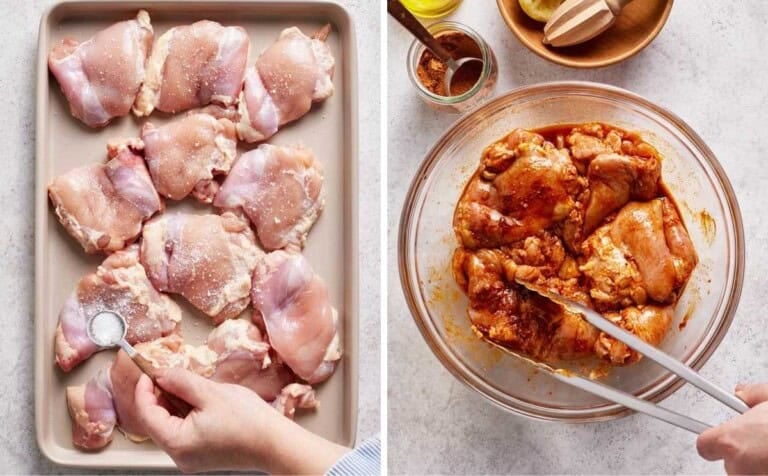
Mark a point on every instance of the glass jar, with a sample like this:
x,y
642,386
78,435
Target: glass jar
x,y
477,93
431,8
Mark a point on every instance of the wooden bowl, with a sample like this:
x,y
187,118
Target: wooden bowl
x,y
636,27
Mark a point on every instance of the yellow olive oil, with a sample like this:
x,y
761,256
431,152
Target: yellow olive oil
x,y
431,8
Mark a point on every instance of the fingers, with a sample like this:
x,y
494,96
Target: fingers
x,y
708,444
752,394
160,425
187,385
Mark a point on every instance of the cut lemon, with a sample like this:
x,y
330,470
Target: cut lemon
x,y
540,10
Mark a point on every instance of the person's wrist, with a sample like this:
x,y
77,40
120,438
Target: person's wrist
x,y
293,449
265,443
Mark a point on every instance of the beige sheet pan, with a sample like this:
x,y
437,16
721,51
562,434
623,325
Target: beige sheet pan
x,y
63,143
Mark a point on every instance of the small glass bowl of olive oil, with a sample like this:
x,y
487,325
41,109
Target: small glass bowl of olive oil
x,y
431,8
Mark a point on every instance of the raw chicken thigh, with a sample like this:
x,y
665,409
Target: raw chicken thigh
x,y
192,66
287,78
92,412
120,285
184,156
103,205
208,259
102,76
293,396
300,321
245,358
281,191
235,353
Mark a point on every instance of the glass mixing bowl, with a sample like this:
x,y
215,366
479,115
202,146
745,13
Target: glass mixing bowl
x,y
426,241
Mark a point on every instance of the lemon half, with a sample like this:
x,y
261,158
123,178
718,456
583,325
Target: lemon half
x,y
540,10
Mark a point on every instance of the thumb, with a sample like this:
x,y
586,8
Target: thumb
x,y
753,394
188,386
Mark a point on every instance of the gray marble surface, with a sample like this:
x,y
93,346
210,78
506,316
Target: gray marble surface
x,y
19,23
709,66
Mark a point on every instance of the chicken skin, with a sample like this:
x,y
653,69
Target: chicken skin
x,y
184,156
120,285
192,66
245,358
580,211
101,76
208,259
103,205
524,185
92,412
288,77
301,323
235,352
281,191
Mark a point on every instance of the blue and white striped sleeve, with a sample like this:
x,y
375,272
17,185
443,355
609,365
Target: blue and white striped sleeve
x,y
363,460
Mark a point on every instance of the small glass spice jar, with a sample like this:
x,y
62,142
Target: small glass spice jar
x,y
472,97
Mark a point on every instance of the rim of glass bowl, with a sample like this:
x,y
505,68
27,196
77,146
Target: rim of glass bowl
x,y
416,49
414,294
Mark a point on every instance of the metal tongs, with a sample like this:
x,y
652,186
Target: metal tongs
x,y
650,352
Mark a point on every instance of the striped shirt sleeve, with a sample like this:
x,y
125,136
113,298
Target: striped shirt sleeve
x,y
363,460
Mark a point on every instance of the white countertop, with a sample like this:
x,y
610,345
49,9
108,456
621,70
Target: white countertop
x,y
19,23
708,66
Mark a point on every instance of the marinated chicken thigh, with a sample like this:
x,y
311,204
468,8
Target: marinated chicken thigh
x,y
101,76
103,205
643,254
616,179
120,285
613,276
524,185
515,317
208,259
301,323
184,156
194,65
280,189
287,78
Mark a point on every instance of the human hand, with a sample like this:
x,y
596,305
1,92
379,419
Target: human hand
x,y
230,428
741,442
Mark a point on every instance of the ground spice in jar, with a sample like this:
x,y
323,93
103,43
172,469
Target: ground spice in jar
x,y
431,70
